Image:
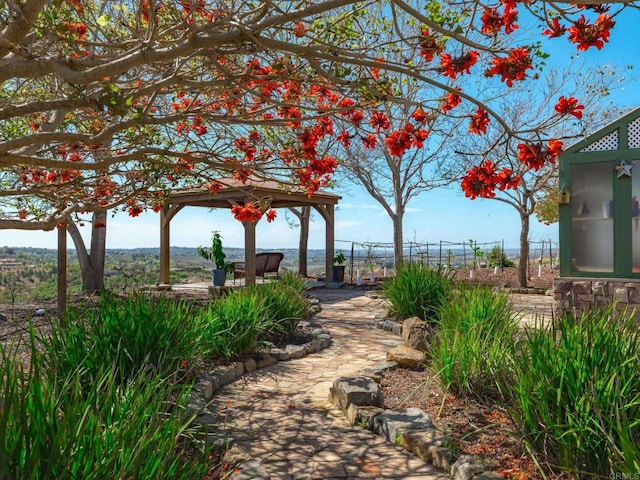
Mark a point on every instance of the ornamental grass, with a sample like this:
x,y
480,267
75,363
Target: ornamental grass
x,y
61,427
128,334
417,290
577,394
475,341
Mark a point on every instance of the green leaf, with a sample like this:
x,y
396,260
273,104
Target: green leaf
x,y
103,20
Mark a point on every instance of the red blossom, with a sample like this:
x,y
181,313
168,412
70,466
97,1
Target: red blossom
x,y
379,121
300,29
510,16
535,156
248,213
479,122
451,101
452,67
398,142
555,29
357,117
22,214
369,141
591,35
429,45
78,29
135,210
419,136
271,215
214,187
480,181
507,179
513,67
492,21
420,115
569,106
344,138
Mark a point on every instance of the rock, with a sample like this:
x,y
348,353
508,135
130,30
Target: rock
x,y
3,318
416,333
422,442
466,468
355,390
250,365
39,312
406,356
264,360
279,354
390,423
295,351
363,416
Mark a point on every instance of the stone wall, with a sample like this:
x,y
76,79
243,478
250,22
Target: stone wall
x,y
578,295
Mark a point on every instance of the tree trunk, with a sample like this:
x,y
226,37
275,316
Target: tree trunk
x,y
398,254
523,268
92,262
304,241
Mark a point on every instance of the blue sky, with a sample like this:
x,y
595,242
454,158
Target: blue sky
x,y
443,214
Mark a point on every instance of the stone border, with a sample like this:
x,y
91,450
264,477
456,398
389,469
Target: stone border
x,y
412,428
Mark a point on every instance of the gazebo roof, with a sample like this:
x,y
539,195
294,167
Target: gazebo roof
x,y
234,192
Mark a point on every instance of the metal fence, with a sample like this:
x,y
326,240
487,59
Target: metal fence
x,y
367,258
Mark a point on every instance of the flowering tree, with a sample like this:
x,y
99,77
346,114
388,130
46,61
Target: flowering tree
x,y
107,105
520,173
398,158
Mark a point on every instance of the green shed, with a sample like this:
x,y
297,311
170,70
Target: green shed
x,y
600,219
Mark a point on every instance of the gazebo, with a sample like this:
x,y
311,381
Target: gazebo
x,y
235,192
599,219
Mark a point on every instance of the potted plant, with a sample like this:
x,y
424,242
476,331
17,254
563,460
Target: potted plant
x,y
337,270
217,256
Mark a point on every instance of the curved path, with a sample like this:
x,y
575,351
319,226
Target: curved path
x,y
282,418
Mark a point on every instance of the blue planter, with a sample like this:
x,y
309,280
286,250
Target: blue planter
x,y
219,277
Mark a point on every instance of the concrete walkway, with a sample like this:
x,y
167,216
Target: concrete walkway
x,y
281,416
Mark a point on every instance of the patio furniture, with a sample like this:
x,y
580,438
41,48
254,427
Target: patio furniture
x,y
266,262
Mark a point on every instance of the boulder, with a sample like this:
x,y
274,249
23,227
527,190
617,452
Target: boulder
x,y
406,356
416,333
355,390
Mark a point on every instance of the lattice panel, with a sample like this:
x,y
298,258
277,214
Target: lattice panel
x,y
608,142
634,133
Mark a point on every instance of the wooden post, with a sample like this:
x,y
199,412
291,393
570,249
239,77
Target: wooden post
x,y
329,243
250,252
164,245
62,273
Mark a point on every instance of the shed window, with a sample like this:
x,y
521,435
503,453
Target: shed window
x,y
592,218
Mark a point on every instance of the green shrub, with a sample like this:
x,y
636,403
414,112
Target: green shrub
x,y
126,332
296,282
284,308
235,324
577,394
497,258
417,290
60,428
475,341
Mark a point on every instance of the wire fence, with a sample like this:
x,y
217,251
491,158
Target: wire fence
x,y
377,259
